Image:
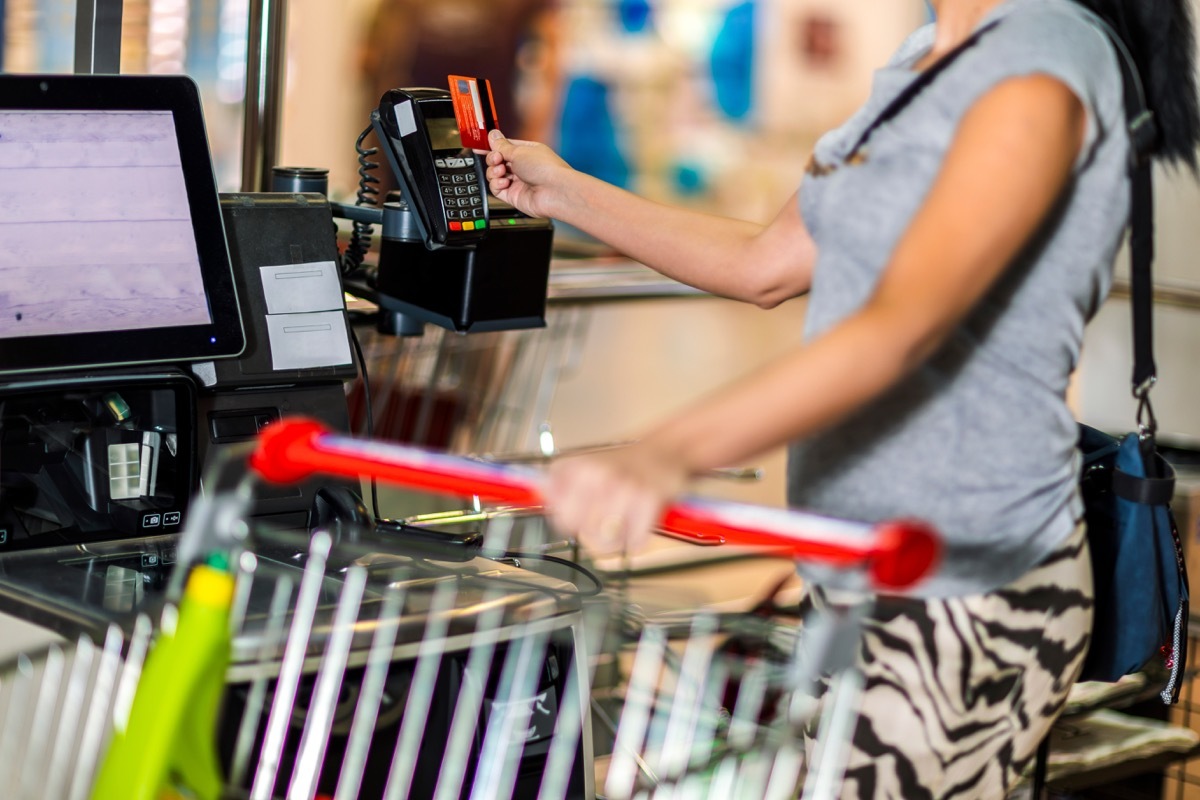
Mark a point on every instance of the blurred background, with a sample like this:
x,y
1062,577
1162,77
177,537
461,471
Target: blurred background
x,y
710,103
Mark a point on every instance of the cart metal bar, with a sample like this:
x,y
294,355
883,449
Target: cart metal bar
x,y
748,707
366,714
75,696
34,762
17,719
319,723
469,704
257,697
510,715
684,716
836,651
96,719
289,674
573,723
139,646
837,726
420,694
627,761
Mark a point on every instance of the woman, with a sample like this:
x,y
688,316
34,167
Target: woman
x,y
953,259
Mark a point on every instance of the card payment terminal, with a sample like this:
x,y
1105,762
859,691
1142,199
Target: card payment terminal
x,y
442,182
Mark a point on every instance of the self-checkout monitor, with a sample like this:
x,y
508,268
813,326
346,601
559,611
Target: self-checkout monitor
x,y
112,249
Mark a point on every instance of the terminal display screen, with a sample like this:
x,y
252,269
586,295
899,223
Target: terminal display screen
x,y
443,134
112,249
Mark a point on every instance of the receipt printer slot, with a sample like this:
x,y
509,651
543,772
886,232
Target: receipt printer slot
x,y
241,425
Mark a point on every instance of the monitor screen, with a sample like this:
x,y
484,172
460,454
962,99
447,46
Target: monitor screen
x,y
112,249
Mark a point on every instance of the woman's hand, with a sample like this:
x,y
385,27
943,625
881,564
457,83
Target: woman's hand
x,y
524,174
611,501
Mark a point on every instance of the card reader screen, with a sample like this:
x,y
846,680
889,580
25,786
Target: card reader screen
x,y
443,134
96,233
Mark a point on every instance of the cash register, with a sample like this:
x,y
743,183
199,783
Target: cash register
x,y
115,275
146,324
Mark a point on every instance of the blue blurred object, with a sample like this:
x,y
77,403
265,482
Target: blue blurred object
x,y
689,179
54,31
588,135
203,46
732,61
635,15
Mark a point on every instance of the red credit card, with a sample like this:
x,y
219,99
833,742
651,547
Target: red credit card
x,y
474,109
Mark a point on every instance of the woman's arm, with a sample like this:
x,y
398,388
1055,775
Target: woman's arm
x,y
1010,161
760,264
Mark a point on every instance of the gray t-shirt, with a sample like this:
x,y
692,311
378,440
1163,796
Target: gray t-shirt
x,y
979,441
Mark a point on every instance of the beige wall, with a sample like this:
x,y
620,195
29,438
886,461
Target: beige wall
x,y
1103,379
641,361
323,111
796,97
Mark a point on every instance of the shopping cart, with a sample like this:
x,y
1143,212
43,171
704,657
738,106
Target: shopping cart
x,y
364,665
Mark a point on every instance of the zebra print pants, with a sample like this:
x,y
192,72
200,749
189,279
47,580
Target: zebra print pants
x,y
960,692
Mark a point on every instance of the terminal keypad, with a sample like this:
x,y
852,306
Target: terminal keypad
x,y
461,194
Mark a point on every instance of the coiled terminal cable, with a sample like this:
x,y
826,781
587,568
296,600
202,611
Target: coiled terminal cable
x,y
368,195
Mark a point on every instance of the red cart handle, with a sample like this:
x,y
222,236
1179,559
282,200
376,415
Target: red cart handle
x,y
895,555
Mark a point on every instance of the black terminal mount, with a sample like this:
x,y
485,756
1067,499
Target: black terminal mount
x,y
498,284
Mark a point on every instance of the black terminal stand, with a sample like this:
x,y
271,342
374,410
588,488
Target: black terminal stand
x,y
497,284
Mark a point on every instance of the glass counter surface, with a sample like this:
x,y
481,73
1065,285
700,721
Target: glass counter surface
x,y
84,589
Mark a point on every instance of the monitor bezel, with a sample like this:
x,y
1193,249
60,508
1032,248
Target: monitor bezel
x,y
223,336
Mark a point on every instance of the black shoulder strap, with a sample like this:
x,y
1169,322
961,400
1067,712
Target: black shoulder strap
x,y
1143,140
918,85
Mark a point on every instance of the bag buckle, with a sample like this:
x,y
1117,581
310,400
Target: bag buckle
x,y
1146,421
1143,137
